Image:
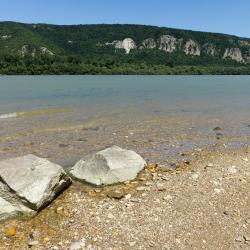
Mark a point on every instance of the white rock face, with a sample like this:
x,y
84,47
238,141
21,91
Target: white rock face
x,y
24,50
209,49
44,51
33,180
234,54
112,165
149,43
244,43
126,44
4,37
168,43
247,56
192,48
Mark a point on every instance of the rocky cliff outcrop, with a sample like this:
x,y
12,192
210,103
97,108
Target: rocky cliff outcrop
x,y
234,54
244,43
4,37
192,48
127,44
27,50
148,44
209,49
24,50
247,56
167,43
45,50
171,44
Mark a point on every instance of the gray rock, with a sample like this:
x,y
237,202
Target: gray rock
x,y
7,210
11,205
112,165
31,180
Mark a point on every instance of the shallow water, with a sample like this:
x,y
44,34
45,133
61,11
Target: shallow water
x,y
163,94
65,117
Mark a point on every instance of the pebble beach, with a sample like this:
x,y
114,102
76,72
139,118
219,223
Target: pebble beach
x,y
193,194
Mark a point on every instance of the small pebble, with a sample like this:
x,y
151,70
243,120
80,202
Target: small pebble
x,y
33,243
141,188
195,176
128,196
217,129
11,231
111,216
132,244
217,190
232,170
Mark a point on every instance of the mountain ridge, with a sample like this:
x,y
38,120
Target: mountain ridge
x,y
107,47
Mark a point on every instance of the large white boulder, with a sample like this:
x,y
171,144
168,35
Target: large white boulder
x,y
32,180
112,165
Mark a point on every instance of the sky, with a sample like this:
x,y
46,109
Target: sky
x,y
223,16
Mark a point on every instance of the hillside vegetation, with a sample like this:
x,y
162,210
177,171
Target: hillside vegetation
x,y
118,49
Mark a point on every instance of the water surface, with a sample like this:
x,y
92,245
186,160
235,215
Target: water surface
x,y
170,94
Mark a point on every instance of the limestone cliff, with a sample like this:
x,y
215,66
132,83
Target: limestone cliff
x,y
45,50
209,49
167,43
127,44
234,54
148,44
192,48
171,44
247,56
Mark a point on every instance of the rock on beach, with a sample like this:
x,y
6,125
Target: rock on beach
x,y
29,183
109,166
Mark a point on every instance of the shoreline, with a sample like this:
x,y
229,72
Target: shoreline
x,y
161,209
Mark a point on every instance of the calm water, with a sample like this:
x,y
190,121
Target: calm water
x,y
157,116
203,94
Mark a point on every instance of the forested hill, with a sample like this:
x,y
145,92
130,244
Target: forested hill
x,y
118,49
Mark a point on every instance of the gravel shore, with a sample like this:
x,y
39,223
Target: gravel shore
x,y
200,205
194,194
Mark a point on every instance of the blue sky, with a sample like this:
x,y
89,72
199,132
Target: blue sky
x,y
224,16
